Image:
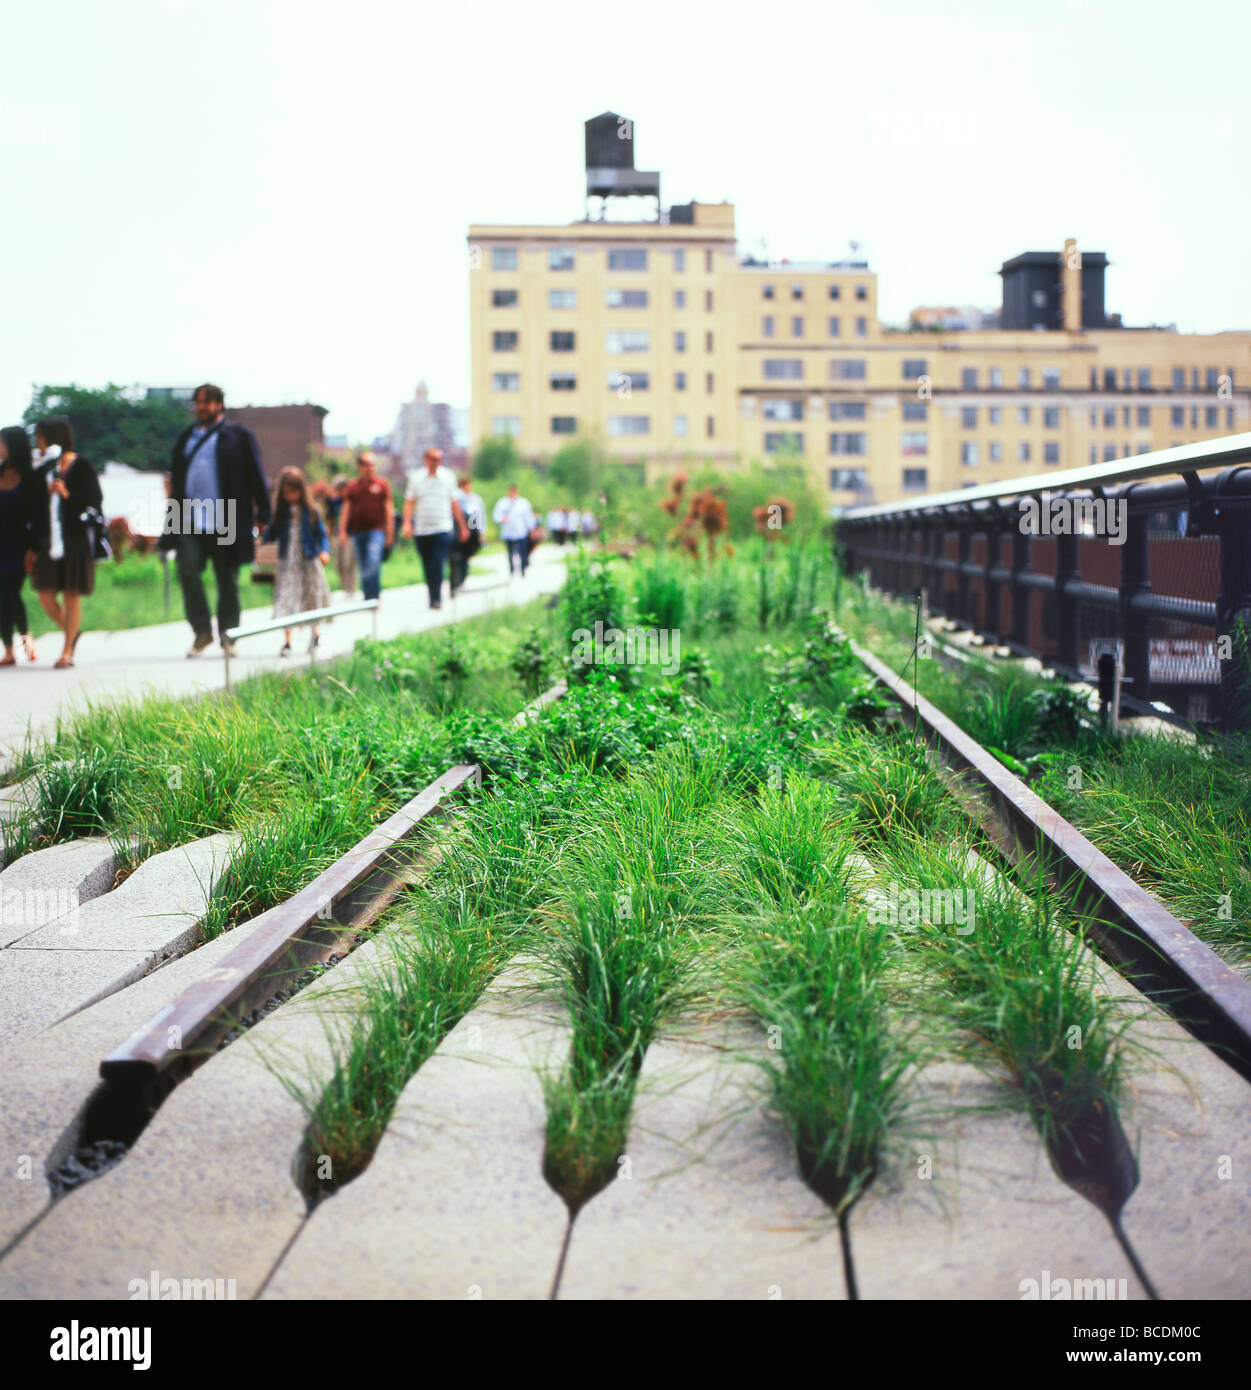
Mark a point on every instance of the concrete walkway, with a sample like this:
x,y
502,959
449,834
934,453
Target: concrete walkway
x,y
153,660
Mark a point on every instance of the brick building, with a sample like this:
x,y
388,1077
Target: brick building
x,y
286,433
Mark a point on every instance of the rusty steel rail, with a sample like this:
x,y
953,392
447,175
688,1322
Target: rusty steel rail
x,y
1154,949
320,920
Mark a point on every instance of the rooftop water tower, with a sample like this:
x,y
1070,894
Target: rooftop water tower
x,y
610,171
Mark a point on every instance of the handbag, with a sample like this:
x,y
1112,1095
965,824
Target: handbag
x,y
536,535
97,534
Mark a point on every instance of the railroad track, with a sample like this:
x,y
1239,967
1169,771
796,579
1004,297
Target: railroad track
x,y
172,1073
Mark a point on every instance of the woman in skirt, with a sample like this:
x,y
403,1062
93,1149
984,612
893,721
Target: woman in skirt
x,y
61,559
300,582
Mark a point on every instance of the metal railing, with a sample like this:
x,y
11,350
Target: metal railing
x,y
1159,572
312,615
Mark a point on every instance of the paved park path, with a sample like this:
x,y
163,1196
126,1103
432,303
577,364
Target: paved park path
x,y
146,660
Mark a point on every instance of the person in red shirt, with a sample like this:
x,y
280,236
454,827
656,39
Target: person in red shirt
x,y
368,517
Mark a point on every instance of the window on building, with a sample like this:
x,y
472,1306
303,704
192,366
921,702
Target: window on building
x,y
1125,416
797,326
1109,378
849,443
914,442
505,424
1109,453
1211,378
782,442
1109,417
679,299
848,369
996,378
504,341
562,299
679,425
862,328
783,410
995,451
503,299
914,411
629,381
783,369
1211,417
862,291
1144,416
1127,378
1229,417
708,261
848,410
969,452
626,299
914,367
1022,377
915,479
835,291
1022,415
627,340
994,414
1051,451
679,260
768,291
709,383
505,381
629,424
679,341
968,417
1051,378
768,325
627,258
1022,451
562,381
710,426
1094,453
503,258
564,424
708,300
1144,378
968,378
835,328
849,479
797,291
1177,417
1051,417
1094,418
708,341
560,258
1194,417
679,381
1179,378
1144,448
561,340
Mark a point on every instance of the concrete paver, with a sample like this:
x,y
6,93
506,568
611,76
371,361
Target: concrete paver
x,y
49,883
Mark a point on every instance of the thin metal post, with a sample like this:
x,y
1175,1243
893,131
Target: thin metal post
x,y
1067,570
964,582
992,616
1135,580
1020,594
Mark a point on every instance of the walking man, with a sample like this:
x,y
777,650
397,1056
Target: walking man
x,y
217,495
431,509
344,551
515,517
368,517
474,510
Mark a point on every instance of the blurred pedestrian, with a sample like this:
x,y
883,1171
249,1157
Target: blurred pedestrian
x,y
473,508
432,516
217,497
15,519
300,583
590,525
558,525
344,550
368,520
61,557
575,524
515,517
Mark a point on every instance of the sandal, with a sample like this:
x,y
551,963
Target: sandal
x,y
63,663
8,659
28,645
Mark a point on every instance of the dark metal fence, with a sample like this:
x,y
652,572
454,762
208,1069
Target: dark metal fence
x,y
1064,566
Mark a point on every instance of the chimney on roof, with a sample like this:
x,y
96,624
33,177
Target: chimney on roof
x,y
1071,286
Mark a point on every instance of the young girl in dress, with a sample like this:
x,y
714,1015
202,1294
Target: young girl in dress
x,y
300,582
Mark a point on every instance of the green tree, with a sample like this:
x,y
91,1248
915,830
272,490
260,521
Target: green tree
x,y
573,469
113,423
496,458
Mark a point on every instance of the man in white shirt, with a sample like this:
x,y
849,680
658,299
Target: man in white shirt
x,y
431,509
558,525
515,517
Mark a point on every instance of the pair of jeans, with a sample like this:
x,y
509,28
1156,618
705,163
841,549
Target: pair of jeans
x,y
369,547
433,550
12,609
521,550
194,550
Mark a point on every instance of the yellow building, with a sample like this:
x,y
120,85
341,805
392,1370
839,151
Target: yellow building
x,y
654,339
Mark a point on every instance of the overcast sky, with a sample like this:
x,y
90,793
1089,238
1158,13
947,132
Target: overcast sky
x,y
274,194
